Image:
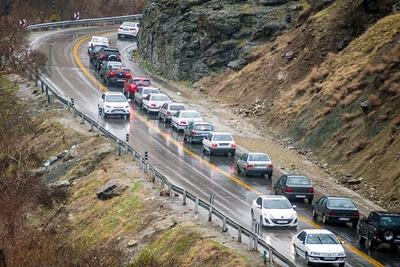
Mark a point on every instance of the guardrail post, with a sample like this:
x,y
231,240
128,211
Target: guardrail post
x,y
240,234
224,228
91,127
184,197
171,191
162,182
210,209
271,258
118,148
196,205
48,95
42,86
255,243
83,119
36,80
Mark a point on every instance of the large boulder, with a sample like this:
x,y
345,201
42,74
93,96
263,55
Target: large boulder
x,y
112,189
190,39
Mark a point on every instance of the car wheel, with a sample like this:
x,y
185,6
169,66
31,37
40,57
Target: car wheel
x,y
295,251
314,214
261,223
252,215
190,140
309,200
159,117
165,119
209,152
119,36
100,112
341,264
269,176
308,262
369,243
244,173
361,239
237,170
324,219
354,224
105,116
204,150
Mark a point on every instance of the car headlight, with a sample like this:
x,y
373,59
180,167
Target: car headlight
x,y
388,235
126,106
341,254
107,106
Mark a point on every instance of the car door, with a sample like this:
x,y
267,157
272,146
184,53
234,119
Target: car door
x,y
371,224
102,99
146,101
243,161
162,110
188,129
207,140
280,184
299,243
318,206
175,118
258,208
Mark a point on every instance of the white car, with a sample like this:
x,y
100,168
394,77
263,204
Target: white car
x,y
217,142
153,102
272,210
98,40
319,246
181,118
113,104
128,29
143,92
168,110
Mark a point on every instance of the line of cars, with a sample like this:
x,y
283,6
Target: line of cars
x,y
314,245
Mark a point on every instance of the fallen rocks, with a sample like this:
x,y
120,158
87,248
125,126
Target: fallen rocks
x,y
112,189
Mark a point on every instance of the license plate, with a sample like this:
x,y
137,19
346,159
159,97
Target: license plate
x,y
121,80
329,259
281,221
300,196
344,219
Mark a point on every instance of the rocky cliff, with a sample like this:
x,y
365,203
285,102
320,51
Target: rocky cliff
x,y
189,39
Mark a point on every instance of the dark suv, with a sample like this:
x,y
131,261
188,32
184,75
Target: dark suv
x,y
106,54
380,227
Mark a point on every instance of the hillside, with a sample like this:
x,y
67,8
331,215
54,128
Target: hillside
x,y
331,84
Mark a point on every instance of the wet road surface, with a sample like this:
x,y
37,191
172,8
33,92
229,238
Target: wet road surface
x,y
184,163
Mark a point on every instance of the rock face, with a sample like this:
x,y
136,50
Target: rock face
x,y
189,39
112,189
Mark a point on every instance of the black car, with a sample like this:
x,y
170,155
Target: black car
x,y
94,52
294,187
106,54
379,227
336,209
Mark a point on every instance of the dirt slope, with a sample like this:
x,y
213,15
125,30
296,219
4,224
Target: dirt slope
x,y
333,85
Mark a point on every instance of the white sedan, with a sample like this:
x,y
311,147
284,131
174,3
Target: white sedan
x,y
319,246
273,210
182,118
219,143
97,40
128,29
153,102
113,104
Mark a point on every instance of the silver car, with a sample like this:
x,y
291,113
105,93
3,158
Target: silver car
x,y
254,163
168,110
143,92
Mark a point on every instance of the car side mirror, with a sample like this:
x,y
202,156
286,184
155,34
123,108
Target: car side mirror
x,y
294,207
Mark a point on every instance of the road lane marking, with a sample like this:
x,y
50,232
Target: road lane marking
x,y
75,52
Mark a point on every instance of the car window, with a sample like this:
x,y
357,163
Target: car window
x,y
160,98
177,107
389,221
115,98
244,157
301,236
277,204
340,203
222,137
190,114
258,157
321,239
177,114
259,201
282,181
298,180
374,218
321,200
102,96
145,83
203,127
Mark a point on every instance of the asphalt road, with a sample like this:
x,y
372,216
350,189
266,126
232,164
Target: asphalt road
x,y
70,72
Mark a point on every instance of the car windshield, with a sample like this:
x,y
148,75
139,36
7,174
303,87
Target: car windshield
x,y
190,114
177,107
99,40
222,137
159,98
129,24
258,157
277,204
298,180
343,203
142,82
390,221
115,98
150,91
115,65
322,239
203,127
97,48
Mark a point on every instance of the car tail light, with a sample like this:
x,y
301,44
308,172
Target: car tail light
x,y
183,122
288,189
332,213
121,28
168,113
153,105
249,166
355,213
214,145
233,145
127,75
192,133
269,165
311,190
111,74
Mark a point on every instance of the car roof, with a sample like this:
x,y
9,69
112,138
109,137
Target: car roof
x,y
129,23
222,133
159,94
113,93
200,122
257,153
273,197
99,38
387,213
337,197
140,78
295,175
317,231
149,87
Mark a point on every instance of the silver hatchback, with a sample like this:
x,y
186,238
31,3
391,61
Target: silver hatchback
x,y
254,163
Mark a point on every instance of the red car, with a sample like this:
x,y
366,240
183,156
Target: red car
x,y
131,85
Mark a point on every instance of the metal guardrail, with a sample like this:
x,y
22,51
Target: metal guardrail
x,y
83,22
271,254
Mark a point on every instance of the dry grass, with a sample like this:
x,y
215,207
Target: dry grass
x,y
346,117
374,101
317,75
